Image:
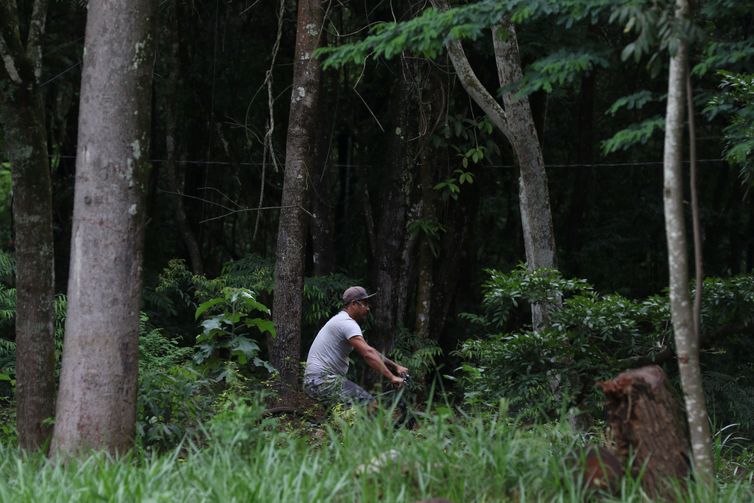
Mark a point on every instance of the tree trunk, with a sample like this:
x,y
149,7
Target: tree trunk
x,y
517,125
686,340
23,116
285,350
388,232
534,196
96,406
425,261
171,166
322,227
646,423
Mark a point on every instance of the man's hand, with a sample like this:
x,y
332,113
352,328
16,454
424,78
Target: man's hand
x,y
401,370
396,381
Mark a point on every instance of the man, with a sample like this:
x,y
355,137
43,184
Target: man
x,y
327,363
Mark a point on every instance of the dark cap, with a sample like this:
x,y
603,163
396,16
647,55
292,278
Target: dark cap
x,y
355,293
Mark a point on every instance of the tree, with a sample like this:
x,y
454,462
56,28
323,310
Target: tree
x,y
686,337
23,121
285,347
516,123
96,405
174,180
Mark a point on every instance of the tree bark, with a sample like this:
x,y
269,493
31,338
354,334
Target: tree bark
x,y
534,196
388,237
646,423
171,166
686,340
285,348
322,227
96,406
23,117
516,123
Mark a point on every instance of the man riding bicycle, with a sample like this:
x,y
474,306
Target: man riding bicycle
x,y
327,362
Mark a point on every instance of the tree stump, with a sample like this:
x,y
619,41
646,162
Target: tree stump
x,y
647,424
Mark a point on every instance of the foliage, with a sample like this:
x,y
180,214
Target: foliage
x,y
633,135
736,103
430,230
558,69
634,101
232,330
425,34
460,458
5,208
472,141
417,353
171,404
8,315
179,293
156,351
593,337
322,297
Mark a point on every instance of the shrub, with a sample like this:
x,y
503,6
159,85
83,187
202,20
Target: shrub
x,y
593,337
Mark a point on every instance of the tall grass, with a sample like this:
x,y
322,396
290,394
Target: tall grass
x,y
246,459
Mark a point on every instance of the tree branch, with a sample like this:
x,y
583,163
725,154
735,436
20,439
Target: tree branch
x,y
36,31
9,62
666,353
471,83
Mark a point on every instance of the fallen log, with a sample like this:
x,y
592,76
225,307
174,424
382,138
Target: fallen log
x,y
648,429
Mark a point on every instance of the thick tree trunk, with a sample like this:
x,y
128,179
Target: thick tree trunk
x,y
23,122
388,235
425,261
517,125
26,143
171,166
322,226
646,423
285,348
96,406
686,339
534,196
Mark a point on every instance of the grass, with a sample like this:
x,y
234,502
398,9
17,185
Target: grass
x,y
243,458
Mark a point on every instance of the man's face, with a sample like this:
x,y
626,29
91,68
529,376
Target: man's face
x,y
361,309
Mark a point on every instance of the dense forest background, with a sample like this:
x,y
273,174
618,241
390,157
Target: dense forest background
x,y
413,191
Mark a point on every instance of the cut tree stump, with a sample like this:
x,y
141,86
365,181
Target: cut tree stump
x,y
647,423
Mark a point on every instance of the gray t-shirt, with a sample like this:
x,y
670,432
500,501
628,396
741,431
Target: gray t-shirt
x,y
330,349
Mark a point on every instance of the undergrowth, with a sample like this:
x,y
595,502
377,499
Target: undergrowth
x,y
243,457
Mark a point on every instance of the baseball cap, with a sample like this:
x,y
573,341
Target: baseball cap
x,y
355,293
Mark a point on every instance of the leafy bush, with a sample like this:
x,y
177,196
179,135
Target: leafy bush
x,y
232,332
172,403
178,293
593,337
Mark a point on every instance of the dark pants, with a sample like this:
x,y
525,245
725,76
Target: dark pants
x,y
336,389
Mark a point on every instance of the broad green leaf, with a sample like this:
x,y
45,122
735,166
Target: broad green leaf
x,y
263,325
206,305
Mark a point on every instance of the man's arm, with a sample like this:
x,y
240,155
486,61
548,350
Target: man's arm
x,y
398,369
373,358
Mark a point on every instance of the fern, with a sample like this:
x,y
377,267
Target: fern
x,y
7,357
7,267
7,304
418,354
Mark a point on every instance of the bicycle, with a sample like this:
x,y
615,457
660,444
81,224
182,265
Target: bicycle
x,y
403,415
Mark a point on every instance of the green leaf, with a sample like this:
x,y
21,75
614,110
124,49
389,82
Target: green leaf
x,y
263,325
244,348
633,135
207,305
212,324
